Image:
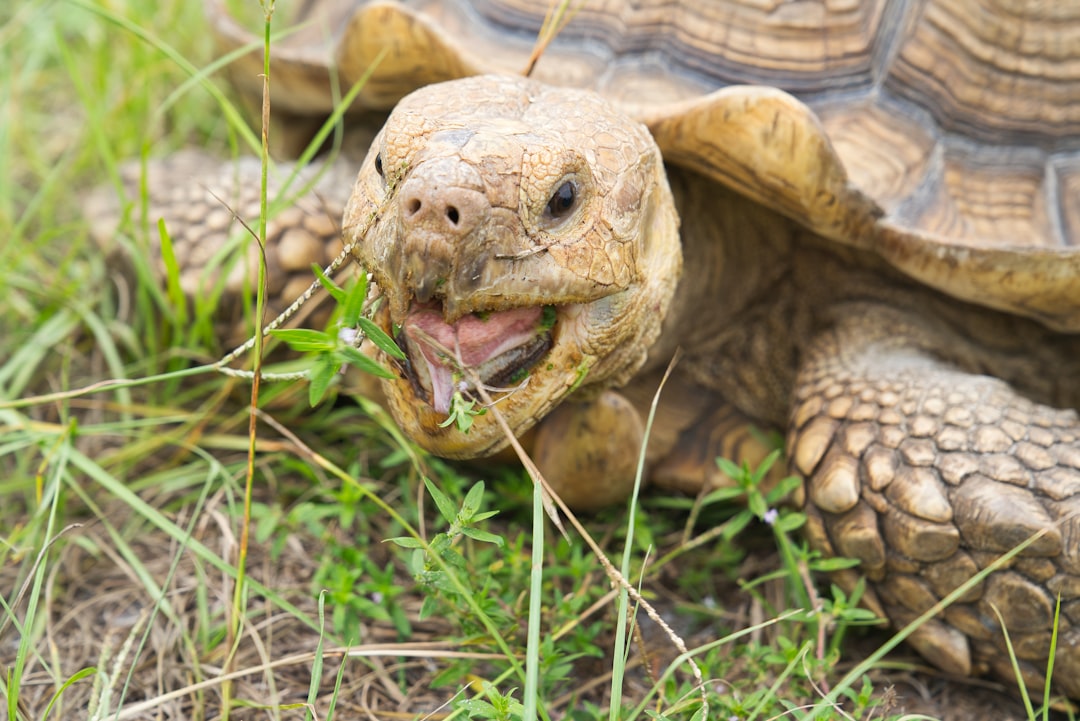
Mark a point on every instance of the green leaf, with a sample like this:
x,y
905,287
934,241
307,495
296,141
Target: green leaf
x,y
401,621
723,494
548,317
429,607
415,562
729,469
861,616
370,609
306,340
834,564
462,413
331,287
172,274
354,357
782,489
483,536
460,417
380,338
737,523
407,542
764,466
321,376
478,709
442,501
788,522
472,501
354,302
757,505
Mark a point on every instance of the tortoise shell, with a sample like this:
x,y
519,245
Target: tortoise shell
x,y
943,135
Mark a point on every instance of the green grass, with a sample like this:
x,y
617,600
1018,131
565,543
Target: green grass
x,y
376,577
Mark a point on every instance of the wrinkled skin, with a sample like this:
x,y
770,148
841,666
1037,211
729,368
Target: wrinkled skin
x,y
470,204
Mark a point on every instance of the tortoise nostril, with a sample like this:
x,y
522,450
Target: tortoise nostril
x,y
435,206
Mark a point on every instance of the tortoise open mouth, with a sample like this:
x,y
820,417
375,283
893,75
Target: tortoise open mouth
x,y
496,349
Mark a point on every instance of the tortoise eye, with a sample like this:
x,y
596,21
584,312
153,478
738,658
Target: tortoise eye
x,y
378,165
562,201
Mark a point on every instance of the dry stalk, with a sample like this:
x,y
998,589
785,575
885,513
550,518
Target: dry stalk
x,y
558,16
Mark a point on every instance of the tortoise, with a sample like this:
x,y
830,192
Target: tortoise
x,y
858,222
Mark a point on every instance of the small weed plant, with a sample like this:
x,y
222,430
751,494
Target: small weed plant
x,y
823,618
431,562
789,671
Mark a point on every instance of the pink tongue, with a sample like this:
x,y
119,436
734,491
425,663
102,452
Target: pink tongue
x,y
471,339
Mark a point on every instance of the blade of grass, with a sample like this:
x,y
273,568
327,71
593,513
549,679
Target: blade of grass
x,y
1051,657
240,590
1024,695
73,679
536,587
37,578
235,119
622,611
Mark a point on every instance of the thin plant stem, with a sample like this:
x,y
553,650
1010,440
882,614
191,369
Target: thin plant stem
x,y
536,584
239,591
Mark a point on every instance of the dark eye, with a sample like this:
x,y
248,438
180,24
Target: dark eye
x,y
378,165
562,201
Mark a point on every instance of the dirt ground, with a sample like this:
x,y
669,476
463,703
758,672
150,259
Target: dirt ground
x,y
98,613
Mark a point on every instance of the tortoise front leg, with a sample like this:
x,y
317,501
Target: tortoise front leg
x,y
926,474
588,451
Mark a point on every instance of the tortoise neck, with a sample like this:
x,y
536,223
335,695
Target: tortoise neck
x,y
757,288
734,313
734,252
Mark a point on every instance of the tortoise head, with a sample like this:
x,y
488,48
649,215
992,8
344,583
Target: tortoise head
x,y
522,237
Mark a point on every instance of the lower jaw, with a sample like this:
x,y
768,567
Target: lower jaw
x,y
428,428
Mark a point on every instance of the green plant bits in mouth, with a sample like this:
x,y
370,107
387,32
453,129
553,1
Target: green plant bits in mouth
x,y
547,317
519,375
494,348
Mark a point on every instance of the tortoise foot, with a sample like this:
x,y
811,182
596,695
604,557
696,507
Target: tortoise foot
x,y
928,475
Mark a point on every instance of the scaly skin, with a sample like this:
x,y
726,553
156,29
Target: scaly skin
x,y
929,431
934,435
